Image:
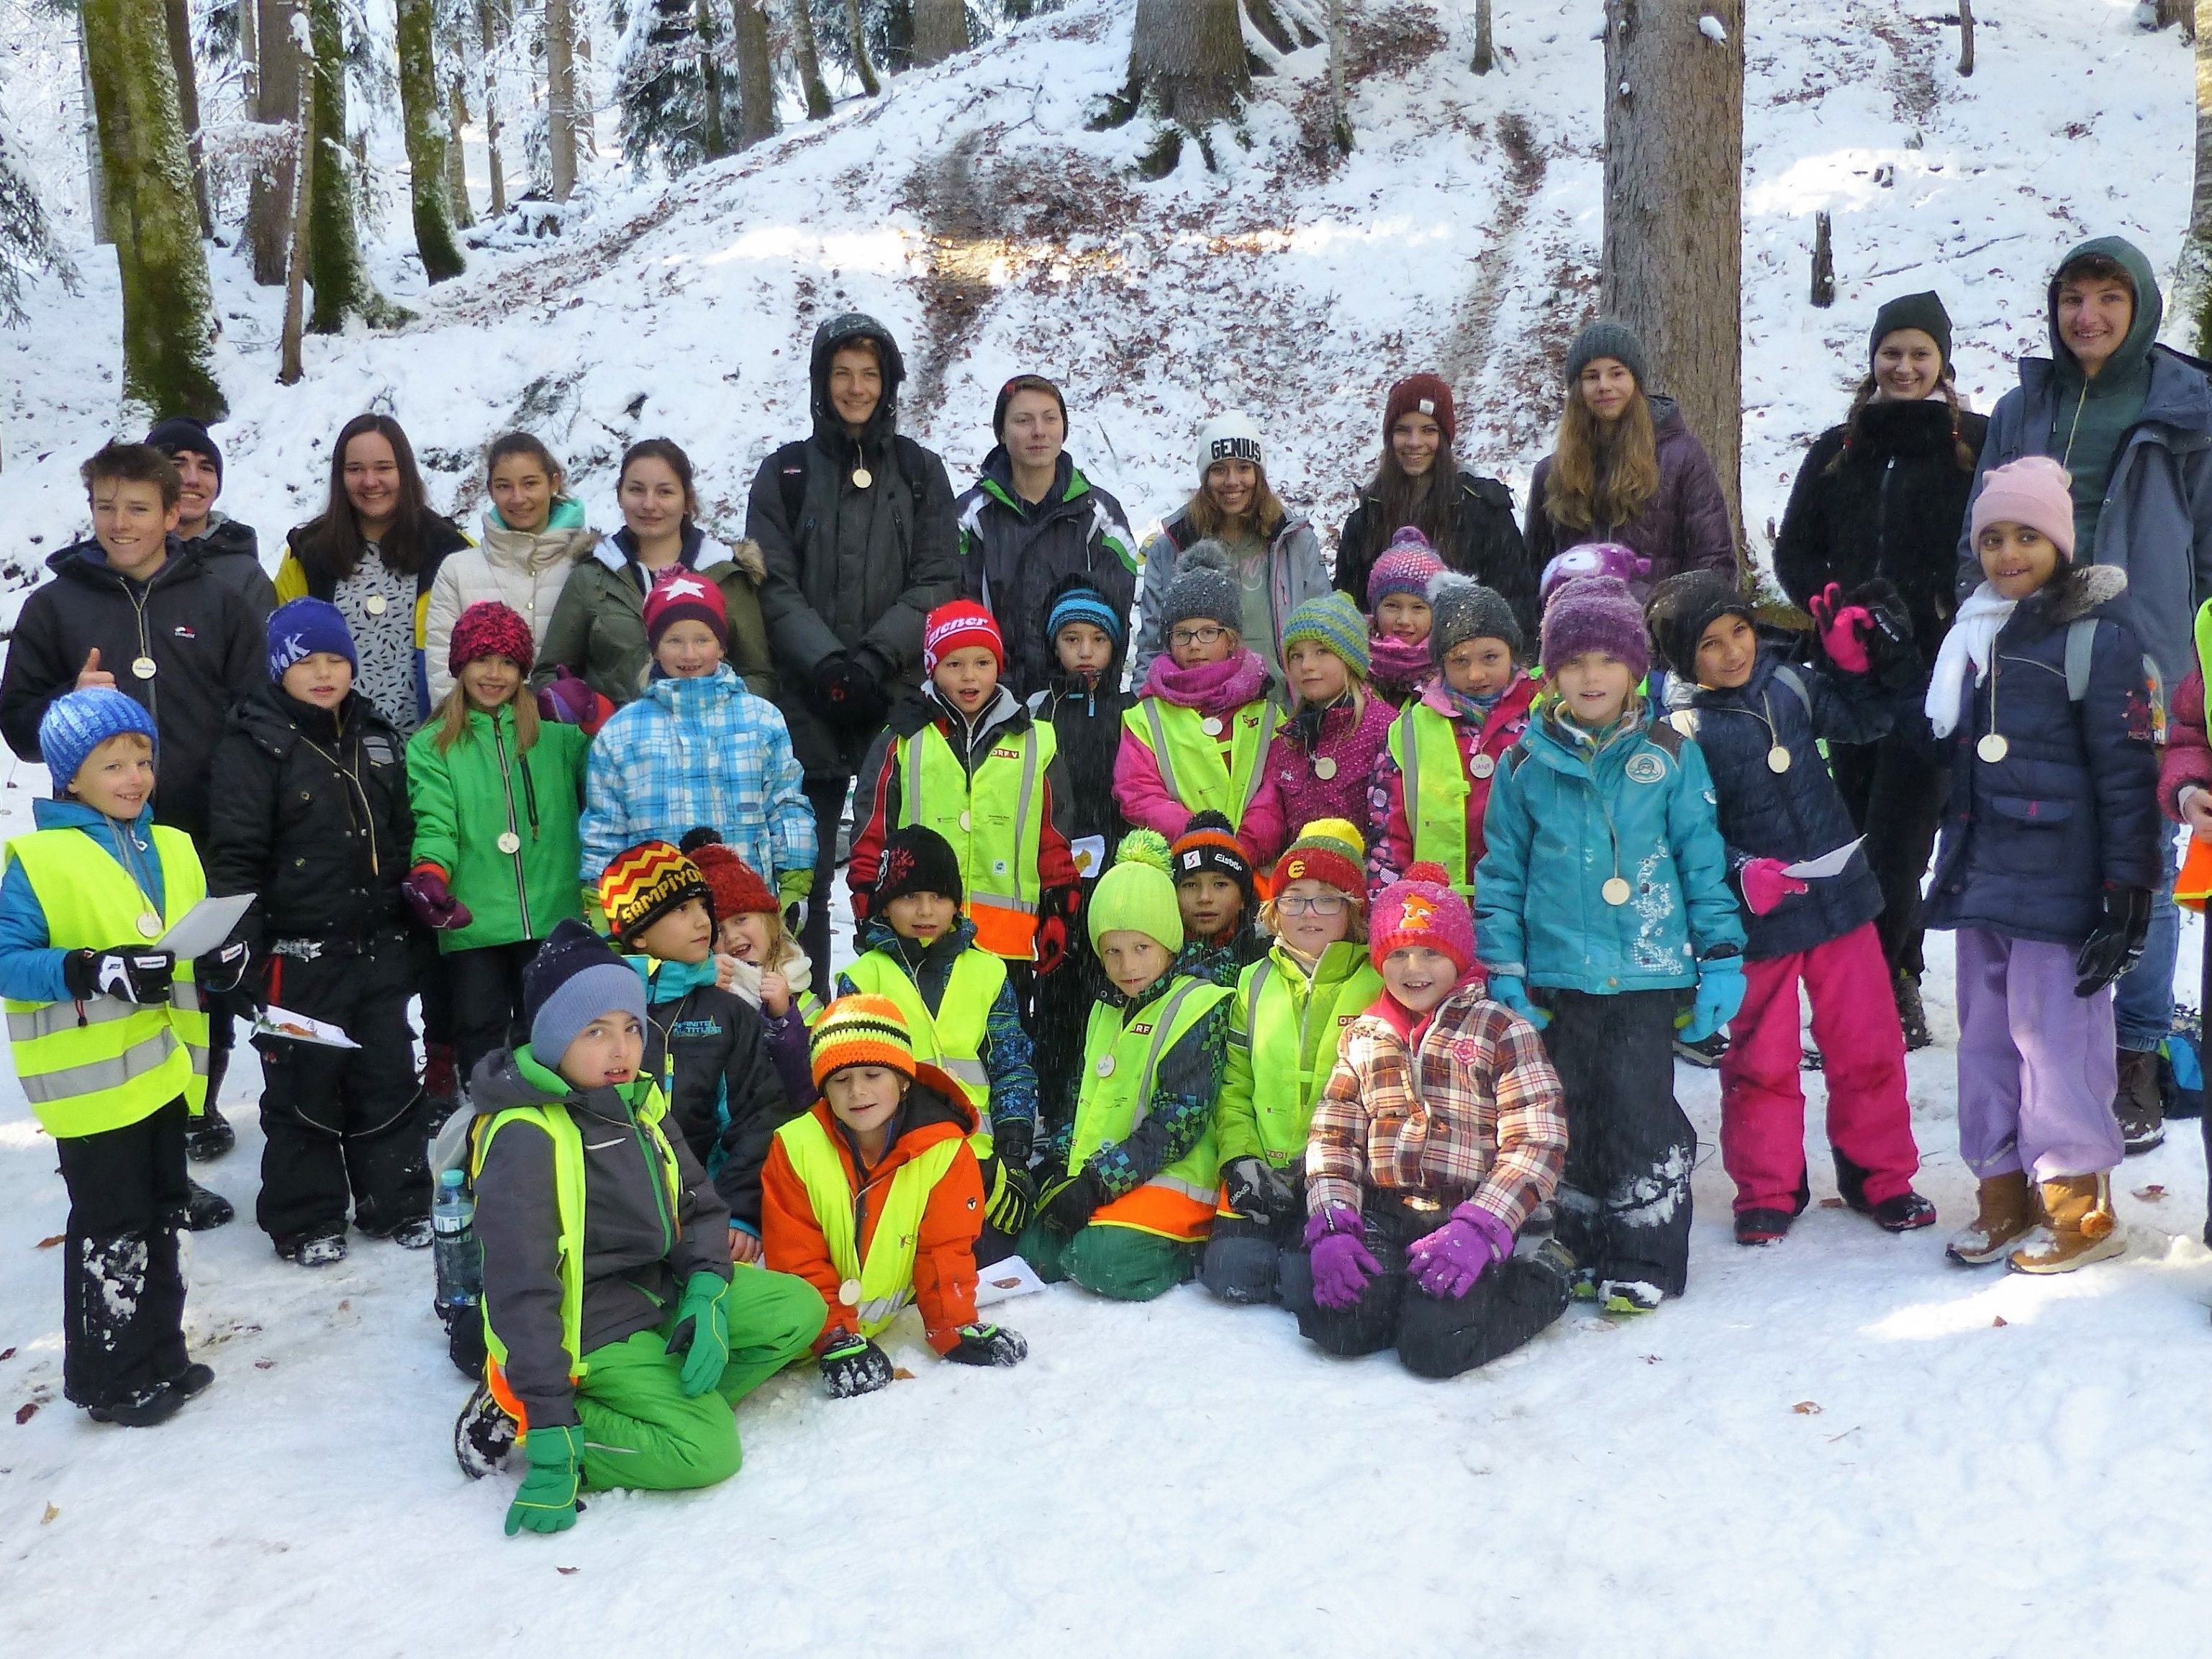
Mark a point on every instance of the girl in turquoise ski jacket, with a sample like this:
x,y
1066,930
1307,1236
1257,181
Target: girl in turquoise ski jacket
x,y
1602,903
497,793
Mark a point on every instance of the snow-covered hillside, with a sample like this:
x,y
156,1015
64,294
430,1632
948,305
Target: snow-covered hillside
x,y
1841,1446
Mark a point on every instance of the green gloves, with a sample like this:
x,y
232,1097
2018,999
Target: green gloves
x,y
547,1501
702,1332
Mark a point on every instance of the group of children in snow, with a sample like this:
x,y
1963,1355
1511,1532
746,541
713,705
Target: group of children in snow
x,y
1412,1080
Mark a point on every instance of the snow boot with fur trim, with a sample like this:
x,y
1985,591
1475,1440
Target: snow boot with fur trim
x,y
2008,1210
2079,1227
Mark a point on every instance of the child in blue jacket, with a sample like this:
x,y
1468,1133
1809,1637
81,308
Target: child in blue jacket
x,y
1604,888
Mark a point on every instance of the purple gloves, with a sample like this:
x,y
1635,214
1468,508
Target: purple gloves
x,y
432,900
1341,1264
567,701
1843,627
1765,884
1448,1261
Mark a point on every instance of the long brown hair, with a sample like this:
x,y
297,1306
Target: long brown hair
x,y
1601,482
666,450
1266,517
452,715
334,541
1961,451
1430,503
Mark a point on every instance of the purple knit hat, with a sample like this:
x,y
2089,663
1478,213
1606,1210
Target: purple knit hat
x,y
1592,559
1407,566
1594,613
1422,909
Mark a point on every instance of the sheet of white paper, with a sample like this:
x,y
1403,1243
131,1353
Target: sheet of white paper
x,y
298,1028
1828,864
205,926
1002,1279
1090,855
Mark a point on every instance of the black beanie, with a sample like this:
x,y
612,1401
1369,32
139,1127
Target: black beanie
x,y
183,432
916,859
1921,311
1683,607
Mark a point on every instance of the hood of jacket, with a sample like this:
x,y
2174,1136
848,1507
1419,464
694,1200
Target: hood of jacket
x,y
678,696
2085,590
1565,747
1004,711
843,330
2149,310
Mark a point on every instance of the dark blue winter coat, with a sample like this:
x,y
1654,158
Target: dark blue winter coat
x,y
1793,815
2031,842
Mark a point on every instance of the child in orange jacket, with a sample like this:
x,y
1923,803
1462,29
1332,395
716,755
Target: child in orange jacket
x,y
884,1148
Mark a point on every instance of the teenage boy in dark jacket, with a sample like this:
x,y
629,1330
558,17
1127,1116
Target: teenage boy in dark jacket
x,y
231,551
857,524
312,816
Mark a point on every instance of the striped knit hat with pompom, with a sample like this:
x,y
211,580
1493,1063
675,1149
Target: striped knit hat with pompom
x,y
1330,851
1138,894
861,1031
644,883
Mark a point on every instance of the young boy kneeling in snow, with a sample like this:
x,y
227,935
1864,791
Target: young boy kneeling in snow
x,y
874,1196
619,1336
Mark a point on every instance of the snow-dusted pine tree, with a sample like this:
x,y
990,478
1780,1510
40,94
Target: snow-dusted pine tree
x,y
27,238
423,117
674,85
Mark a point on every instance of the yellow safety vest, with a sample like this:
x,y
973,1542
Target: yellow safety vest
x,y
1294,1027
952,1038
1119,1064
1437,788
104,1063
886,1277
994,820
1189,759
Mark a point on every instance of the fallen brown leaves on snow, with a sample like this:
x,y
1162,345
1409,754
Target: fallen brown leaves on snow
x,y
1807,1408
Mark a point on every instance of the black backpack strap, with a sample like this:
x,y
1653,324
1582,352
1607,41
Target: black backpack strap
x,y
790,464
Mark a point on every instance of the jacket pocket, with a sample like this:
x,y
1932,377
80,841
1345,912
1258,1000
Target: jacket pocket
x,y
2032,836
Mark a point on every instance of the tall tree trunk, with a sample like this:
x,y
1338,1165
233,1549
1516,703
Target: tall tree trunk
x,y
491,23
423,117
457,164
584,122
1485,56
817,90
561,95
276,100
755,74
2192,295
177,18
1187,57
168,310
870,86
940,28
714,135
334,267
290,368
1673,209
96,170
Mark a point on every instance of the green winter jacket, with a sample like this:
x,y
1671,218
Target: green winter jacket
x,y
598,630
1284,1030
468,797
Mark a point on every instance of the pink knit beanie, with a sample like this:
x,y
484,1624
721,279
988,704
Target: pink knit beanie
x,y
2034,490
1421,908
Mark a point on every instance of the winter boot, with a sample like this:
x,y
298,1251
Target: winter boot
x,y
2138,1105
209,1135
191,1380
483,1434
1905,1212
2008,1210
318,1250
1628,1295
2081,1227
416,1234
205,1211
143,1410
1762,1226
1706,1054
442,1088
1905,987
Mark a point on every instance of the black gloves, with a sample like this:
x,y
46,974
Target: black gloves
x,y
1010,1193
2115,942
1011,1139
1070,1203
220,969
1256,1189
1891,658
139,974
988,1345
849,695
851,1365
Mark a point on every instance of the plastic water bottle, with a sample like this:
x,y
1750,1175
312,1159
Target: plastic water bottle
x,y
459,1260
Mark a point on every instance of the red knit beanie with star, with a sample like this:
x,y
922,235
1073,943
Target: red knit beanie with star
x,y
684,595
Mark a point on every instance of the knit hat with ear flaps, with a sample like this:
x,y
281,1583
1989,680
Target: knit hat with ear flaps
x,y
2034,490
78,722
1595,613
1463,609
573,979
1683,607
1921,311
1332,622
1330,851
1203,589
644,883
1607,338
1422,909
1138,894
915,860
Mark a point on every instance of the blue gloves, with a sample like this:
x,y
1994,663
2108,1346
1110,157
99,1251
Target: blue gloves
x,y
1720,995
1514,994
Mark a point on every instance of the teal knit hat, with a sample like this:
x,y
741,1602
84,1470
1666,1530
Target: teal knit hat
x,y
1334,622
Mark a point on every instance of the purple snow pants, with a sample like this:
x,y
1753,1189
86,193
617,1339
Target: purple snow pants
x,y
2037,1072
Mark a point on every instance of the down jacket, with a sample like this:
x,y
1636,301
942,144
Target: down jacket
x,y
526,572
1684,527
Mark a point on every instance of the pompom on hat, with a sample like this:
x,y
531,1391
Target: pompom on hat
x,y
1203,589
1420,909
1614,559
1330,851
1138,894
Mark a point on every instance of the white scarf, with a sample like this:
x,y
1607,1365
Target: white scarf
x,y
744,978
1972,639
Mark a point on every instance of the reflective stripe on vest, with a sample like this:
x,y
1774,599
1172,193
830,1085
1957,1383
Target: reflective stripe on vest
x,y
1178,1202
1289,1048
952,1038
569,1198
993,820
104,1063
1436,787
887,1275
1190,761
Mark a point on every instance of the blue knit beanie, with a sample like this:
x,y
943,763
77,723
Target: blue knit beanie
x,y
1334,622
1082,604
574,979
76,723
298,630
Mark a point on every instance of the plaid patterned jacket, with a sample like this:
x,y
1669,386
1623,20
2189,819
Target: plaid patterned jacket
x,y
1477,1113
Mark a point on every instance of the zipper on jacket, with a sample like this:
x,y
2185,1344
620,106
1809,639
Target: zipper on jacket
x,y
656,1176
507,786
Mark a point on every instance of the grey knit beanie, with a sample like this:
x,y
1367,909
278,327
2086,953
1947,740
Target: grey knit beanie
x,y
1606,337
1463,609
1203,589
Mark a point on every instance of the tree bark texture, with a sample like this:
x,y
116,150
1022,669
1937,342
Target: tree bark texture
x,y
808,60
491,29
96,170
1187,57
863,66
561,95
755,74
1673,209
178,19
713,131
168,310
1966,36
276,100
457,167
290,364
940,28
334,267
422,116
1485,55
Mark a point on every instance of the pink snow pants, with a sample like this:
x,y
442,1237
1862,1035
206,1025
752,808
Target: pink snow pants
x,y
1862,1054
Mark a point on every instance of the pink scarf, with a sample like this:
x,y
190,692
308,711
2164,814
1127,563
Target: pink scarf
x,y
1400,666
1211,688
